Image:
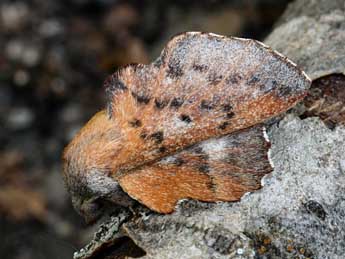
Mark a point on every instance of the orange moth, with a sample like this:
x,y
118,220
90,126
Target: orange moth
x,y
189,125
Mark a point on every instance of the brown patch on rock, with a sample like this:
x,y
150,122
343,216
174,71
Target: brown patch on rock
x,y
326,99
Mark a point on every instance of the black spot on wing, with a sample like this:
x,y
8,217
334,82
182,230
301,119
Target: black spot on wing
x,y
143,135
227,107
174,69
233,79
162,149
253,80
200,68
198,150
185,118
176,102
160,104
211,184
230,115
285,91
113,84
204,168
200,153
178,161
223,125
135,123
213,78
206,105
157,137
141,98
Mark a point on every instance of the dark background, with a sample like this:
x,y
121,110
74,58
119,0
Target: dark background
x,y
54,58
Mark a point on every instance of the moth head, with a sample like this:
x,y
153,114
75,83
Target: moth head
x,y
88,170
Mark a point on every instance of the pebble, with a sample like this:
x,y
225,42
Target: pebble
x,y
14,50
14,15
31,56
20,118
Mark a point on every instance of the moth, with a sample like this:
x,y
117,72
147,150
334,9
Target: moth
x,y
189,125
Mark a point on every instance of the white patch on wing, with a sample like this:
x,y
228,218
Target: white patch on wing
x,y
215,148
178,123
175,124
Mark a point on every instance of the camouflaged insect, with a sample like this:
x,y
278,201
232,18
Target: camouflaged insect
x,y
186,126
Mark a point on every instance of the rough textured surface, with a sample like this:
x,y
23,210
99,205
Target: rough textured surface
x,y
312,34
301,209
106,234
326,99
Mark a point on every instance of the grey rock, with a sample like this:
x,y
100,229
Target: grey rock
x,y
312,34
20,118
106,233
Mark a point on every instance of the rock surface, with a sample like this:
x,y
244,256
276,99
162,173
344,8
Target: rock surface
x,y
312,34
300,211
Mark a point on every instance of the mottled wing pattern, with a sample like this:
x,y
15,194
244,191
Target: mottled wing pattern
x,y
203,85
218,169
